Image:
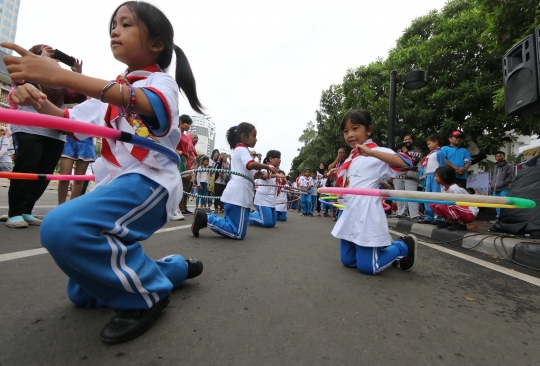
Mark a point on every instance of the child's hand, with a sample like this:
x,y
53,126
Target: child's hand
x,y
28,95
271,168
364,150
33,68
77,67
332,174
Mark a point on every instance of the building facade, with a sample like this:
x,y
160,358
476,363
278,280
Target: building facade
x,y
9,11
206,130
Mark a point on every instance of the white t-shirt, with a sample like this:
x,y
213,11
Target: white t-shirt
x,y
4,147
316,184
239,191
202,177
266,196
363,221
305,183
281,202
432,163
454,188
155,165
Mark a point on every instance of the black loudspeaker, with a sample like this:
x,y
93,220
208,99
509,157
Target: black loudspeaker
x,y
520,71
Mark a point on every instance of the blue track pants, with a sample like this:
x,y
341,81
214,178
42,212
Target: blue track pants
x,y
371,260
95,240
233,224
263,216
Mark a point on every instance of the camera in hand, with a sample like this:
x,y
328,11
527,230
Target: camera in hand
x,y
63,58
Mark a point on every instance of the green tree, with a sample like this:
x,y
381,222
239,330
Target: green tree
x,y
461,47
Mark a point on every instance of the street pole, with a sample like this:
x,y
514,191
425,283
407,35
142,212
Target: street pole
x,y
392,109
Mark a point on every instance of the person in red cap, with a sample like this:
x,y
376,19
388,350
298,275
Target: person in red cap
x,y
457,158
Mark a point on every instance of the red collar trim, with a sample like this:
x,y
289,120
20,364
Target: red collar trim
x,y
240,145
149,68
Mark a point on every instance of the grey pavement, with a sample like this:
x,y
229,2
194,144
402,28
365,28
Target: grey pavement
x,y
279,297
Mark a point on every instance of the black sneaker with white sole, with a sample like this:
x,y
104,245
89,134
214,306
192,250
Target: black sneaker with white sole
x,y
407,263
200,220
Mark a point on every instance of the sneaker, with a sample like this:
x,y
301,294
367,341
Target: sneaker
x,y
4,217
443,225
400,216
395,264
31,220
129,324
16,222
457,226
200,220
422,221
492,221
177,216
195,268
407,263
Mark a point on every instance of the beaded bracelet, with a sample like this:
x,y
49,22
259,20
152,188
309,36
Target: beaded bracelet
x,y
105,88
121,96
131,100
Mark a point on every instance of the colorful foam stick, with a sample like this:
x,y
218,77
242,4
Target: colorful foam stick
x,y
45,121
33,176
466,204
329,197
442,198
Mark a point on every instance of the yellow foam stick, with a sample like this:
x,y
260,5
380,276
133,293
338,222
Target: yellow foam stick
x,y
492,205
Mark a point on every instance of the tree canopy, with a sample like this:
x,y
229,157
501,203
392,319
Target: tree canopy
x,y
461,48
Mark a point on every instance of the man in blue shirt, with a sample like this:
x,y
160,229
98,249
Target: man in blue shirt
x,y
458,158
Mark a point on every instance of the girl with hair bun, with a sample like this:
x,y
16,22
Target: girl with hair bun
x,y
266,196
238,195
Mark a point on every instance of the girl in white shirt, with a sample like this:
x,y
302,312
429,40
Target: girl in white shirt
x,y
202,179
457,217
266,196
238,195
281,201
138,190
366,243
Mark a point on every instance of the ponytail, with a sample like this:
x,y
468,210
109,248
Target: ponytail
x,y
234,134
186,81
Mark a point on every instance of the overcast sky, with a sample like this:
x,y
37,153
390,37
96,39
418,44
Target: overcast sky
x,y
264,62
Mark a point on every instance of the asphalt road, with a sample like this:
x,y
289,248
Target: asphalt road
x,y
279,297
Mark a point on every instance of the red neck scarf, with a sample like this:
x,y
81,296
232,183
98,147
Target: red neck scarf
x,y
111,114
343,169
425,161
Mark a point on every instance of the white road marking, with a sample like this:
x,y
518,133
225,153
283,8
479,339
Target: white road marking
x,y
39,251
509,272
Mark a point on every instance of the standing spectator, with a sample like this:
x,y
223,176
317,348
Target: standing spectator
x,y
193,138
409,181
81,154
314,194
5,159
433,161
503,175
220,183
457,158
182,149
37,149
341,156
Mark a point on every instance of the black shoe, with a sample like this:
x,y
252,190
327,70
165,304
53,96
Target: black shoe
x,y
443,225
200,220
129,324
457,226
422,221
187,212
407,263
395,264
194,268
400,216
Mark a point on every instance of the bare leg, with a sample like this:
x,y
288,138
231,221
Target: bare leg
x,y
66,165
80,169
